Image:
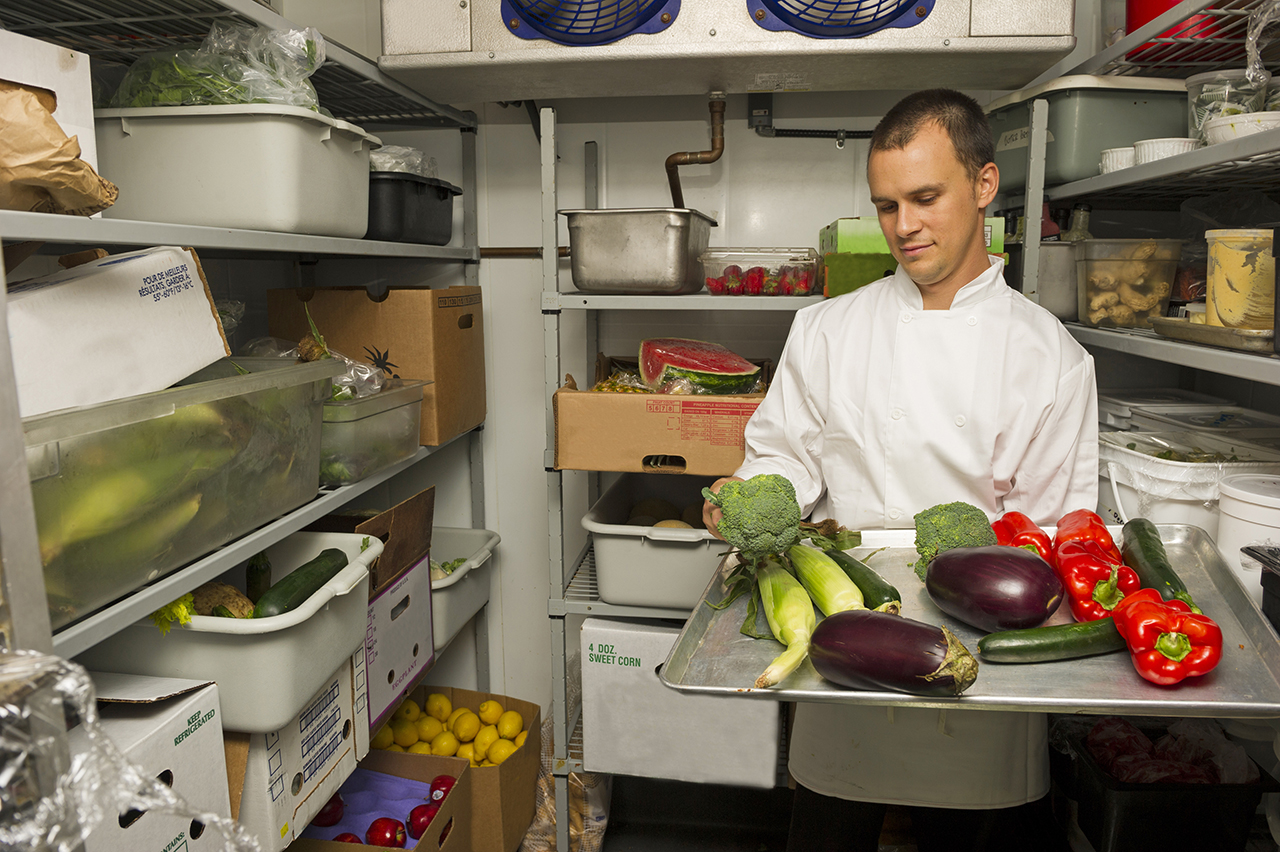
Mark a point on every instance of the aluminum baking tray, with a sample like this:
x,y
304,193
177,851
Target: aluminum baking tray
x,y
639,250
1243,339
711,657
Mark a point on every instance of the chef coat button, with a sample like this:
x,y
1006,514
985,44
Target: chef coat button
x,y
897,414
894,514
973,320
960,420
906,317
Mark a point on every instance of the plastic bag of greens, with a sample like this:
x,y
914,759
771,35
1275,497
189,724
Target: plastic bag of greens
x,y
1263,26
359,380
398,158
236,64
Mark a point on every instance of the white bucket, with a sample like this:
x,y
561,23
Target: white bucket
x,y
1249,513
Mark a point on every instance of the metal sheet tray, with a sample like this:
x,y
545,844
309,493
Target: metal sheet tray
x,y
711,657
1243,339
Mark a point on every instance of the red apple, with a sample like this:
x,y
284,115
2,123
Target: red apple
x,y
440,787
420,817
331,813
385,831
348,837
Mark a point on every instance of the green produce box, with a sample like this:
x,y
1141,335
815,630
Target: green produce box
x,y
845,272
862,235
130,490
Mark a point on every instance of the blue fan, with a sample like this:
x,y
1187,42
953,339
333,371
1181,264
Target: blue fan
x,y
837,18
587,22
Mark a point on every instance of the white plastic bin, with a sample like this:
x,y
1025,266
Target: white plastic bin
x,y
1219,419
458,597
1115,405
262,167
1133,482
266,668
1249,513
646,565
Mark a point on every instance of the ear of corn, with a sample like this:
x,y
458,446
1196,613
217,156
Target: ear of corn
x,y
824,580
789,611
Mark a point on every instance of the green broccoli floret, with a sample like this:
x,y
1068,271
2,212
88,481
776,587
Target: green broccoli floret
x,y
950,525
761,515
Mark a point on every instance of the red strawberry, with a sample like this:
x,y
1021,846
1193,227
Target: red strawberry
x,y
755,281
734,286
733,270
772,283
716,286
804,280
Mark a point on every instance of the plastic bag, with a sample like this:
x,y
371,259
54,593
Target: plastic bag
x,y
50,801
359,380
230,312
236,64
589,795
398,158
1257,37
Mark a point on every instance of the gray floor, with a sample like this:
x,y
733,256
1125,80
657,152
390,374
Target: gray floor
x,y
648,815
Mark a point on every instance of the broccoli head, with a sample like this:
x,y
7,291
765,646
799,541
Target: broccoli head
x,y
950,525
761,515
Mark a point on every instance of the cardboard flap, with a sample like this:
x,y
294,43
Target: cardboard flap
x,y
404,530
236,746
114,688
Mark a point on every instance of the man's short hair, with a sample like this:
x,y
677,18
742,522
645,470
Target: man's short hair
x,y
956,113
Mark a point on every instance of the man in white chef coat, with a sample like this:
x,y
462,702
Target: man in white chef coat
x,y
939,383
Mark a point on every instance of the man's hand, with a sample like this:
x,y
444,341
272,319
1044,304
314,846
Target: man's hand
x,y
711,513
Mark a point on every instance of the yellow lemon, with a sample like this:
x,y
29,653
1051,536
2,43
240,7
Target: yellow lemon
x,y
487,763
394,747
510,723
500,751
404,732
428,727
485,738
453,717
466,726
408,709
521,737
419,747
490,711
474,763
383,738
467,750
445,744
439,706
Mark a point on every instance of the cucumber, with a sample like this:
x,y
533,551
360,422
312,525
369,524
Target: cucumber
x,y
877,592
300,583
221,611
257,576
1143,551
1057,642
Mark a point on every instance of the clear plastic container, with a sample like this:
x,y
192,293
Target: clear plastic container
x,y
1122,283
1200,417
1214,94
1115,405
128,491
363,436
761,271
1241,279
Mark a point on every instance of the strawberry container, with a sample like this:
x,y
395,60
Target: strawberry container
x,y
761,271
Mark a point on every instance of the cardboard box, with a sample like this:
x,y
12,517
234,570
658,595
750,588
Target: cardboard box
x,y
399,648
436,335
280,781
632,724
449,831
32,62
404,530
862,235
123,325
650,433
502,796
172,730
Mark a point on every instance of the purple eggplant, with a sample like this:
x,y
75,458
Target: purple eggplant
x,y
865,649
994,588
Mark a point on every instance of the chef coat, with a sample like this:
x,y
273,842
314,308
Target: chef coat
x,y
880,409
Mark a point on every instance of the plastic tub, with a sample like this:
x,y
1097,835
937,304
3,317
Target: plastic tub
x,y
638,251
1115,405
1150,150
1214,94
407,208
1200,417
1248,513
649,565
127,491
1114,159
361,437
262,167
1087,115
266,668
760,271
458,597
1228,128
1241,278
1134,482
1057,282
1122,283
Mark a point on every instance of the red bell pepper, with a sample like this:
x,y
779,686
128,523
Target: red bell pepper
x,y
1084,525
1167,641
1014,529
1095,584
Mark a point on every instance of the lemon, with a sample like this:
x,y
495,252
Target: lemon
x,y
487,763
428,727
468,751
474,762
500,751
404,732
419,747
485,738
445,744
453,717
490,711
394,747
383,738
466,726
521,737
510,723
439,706
408,709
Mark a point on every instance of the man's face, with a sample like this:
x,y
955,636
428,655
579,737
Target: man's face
x,y
930,210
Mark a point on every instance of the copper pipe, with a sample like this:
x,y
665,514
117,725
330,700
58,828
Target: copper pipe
x,y
519,251
698,157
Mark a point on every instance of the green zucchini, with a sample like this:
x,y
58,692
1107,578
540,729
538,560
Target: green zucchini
x,y
300,583
221,611
877,592
1143,551
257,576
1056,642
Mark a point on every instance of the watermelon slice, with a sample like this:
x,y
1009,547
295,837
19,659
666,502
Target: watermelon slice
x,y
709,367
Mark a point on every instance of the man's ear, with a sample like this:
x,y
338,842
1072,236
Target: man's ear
x,y
987,184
